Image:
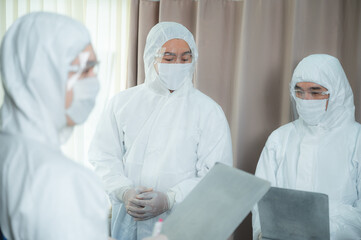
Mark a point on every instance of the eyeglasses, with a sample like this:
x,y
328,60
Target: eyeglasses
x,y
171,57
89,65
79,72
176,55
313,94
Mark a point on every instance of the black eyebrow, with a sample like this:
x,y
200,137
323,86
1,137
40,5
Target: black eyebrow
x,y
311,88
315,88
185,53
170,54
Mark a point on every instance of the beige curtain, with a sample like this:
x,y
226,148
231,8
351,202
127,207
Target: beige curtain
x,y
247,53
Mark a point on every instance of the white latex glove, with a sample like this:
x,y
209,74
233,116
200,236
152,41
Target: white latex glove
x,y
148,205
130,194
260,236
159,237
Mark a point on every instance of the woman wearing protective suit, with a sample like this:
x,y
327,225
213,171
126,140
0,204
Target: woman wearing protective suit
x,y
157,140
320,151
47,71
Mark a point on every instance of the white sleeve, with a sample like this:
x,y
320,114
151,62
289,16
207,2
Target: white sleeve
x,y
106,153
215,145
266,170
345,219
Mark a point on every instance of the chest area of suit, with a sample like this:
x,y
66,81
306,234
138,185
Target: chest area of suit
x,y
160,124
322,164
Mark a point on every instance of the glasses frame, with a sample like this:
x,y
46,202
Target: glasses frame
x,y
313,93
170,56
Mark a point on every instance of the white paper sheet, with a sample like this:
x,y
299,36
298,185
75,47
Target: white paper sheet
x,y
216,206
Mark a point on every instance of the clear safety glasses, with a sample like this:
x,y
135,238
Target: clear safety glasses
x,y
311,94
90,65
82,70
175,55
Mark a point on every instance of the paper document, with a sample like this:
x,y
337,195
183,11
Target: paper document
x,y
216,206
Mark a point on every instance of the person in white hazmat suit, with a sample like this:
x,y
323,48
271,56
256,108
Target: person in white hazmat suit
x,y
47,70
320,151
157,140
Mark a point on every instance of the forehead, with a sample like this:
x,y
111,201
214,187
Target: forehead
x,y
175,45
308,85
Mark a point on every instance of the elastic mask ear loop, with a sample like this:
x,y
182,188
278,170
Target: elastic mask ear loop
x,y
156,61
83,58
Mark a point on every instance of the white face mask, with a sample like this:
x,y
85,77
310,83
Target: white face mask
x,y
84,95
311,111
174,75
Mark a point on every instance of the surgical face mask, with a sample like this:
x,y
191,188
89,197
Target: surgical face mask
x,y
174,75
84,95
311,111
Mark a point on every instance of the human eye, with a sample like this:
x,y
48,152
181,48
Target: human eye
x,y
86,72
316,94
299,93
168,59
187,57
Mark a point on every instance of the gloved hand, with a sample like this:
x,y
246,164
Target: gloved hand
x,y
130,194
148,205
260,236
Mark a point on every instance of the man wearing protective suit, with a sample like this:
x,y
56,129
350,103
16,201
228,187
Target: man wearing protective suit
x,y
320,151
47,70
157,140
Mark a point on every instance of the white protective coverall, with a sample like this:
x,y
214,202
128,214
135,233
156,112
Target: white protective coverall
x,y
153,138
325,158
43,195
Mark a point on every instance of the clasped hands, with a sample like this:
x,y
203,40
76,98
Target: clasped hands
x,y
144,203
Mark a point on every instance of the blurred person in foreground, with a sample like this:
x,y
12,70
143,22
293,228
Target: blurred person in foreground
x,y
47,64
